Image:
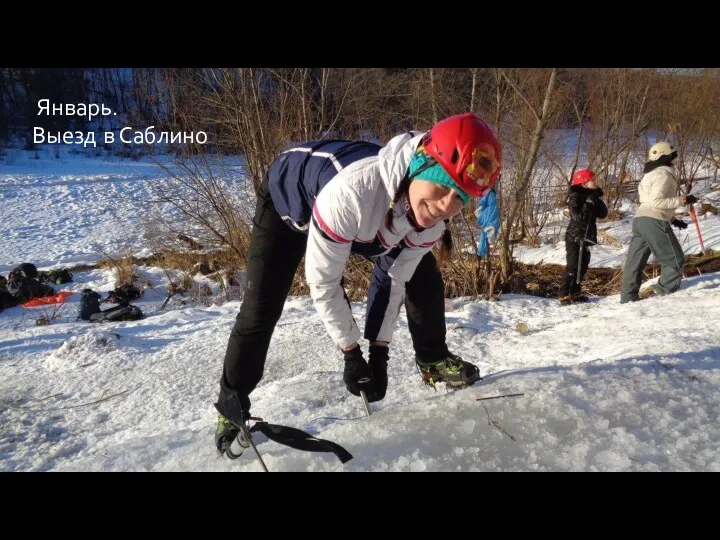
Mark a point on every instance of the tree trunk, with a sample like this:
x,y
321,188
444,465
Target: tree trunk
x,y
526,175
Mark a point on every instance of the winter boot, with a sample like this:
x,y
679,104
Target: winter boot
x,y
652,290
225,434
452,370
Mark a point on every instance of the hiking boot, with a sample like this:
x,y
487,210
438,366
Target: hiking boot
x,y
225,434
565,300
452,370
652,290
579,297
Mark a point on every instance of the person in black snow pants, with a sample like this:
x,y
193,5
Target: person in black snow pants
x,y
327,199
586,205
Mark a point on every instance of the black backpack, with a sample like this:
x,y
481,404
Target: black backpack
x,y
24,270
7,299
89,304
25,289
124,294
56,276
123,312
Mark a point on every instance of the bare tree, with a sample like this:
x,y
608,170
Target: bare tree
x,y
525,163
690,104
619,116
255,113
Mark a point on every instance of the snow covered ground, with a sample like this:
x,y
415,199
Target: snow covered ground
x,y
606,387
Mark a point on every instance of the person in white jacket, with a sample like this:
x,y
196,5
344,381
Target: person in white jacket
x,y
651,227
325,199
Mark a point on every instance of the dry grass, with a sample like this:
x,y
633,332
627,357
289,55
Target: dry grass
x,y
124,267
606,238
463,276
356,279
707,207
207,262
544,279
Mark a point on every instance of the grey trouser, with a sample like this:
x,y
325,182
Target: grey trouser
x,y
652,236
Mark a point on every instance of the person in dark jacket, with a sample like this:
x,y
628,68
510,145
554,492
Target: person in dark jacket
x,y
586,205
326,199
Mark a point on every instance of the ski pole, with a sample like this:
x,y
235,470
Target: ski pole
x,y
580,253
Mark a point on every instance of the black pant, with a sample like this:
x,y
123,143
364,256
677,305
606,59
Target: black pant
x,y
425,308
572,251
273,258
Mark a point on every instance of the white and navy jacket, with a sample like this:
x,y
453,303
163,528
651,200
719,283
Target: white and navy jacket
x,y
339,192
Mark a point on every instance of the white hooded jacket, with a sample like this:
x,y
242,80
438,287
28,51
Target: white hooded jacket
x,y
658,194
349,216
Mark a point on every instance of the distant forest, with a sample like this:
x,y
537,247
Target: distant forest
x,y
550,122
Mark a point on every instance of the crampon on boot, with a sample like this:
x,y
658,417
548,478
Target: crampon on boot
x,y
225,434
232,440
452,370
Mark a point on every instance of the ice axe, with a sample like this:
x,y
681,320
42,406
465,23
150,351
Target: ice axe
x,y
582,241
675,128
694,217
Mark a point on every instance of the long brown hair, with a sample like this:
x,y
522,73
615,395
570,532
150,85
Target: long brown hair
x,y
446,246
403,188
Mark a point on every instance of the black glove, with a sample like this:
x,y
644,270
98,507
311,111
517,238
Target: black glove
x,y
679,223
378,366
690,199
357,375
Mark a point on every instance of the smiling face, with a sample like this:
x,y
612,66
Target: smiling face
x,y
432,202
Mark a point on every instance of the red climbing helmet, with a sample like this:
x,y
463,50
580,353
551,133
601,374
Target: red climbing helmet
x,y
468,150
582,176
